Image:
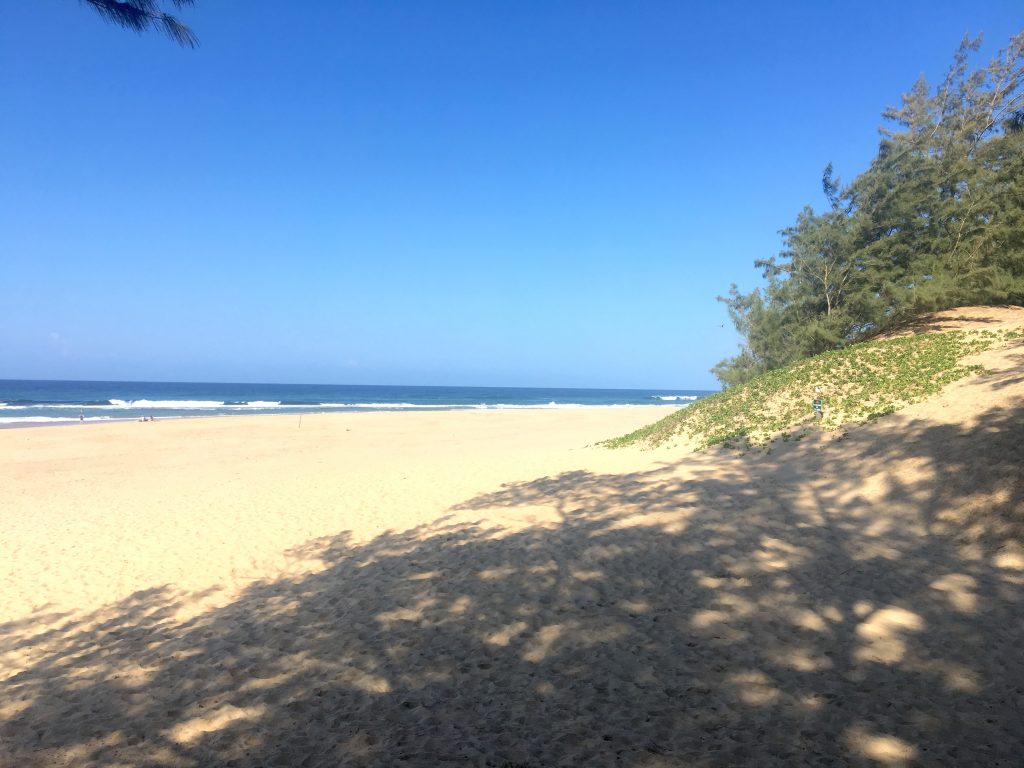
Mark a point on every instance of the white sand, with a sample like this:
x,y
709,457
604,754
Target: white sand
x,y
482,589
98,511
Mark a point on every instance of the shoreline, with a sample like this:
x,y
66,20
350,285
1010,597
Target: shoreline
x,y
93,421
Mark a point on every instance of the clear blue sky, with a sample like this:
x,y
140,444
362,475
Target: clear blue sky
x,y
491,193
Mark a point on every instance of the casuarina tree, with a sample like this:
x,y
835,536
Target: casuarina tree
x,y
936,221
143,15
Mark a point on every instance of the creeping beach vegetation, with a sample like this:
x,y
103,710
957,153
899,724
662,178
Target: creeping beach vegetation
x,y
858,383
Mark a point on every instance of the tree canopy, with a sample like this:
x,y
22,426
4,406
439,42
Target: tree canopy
x,y
936,221
142,15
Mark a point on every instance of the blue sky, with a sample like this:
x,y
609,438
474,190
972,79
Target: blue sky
x,y
482,193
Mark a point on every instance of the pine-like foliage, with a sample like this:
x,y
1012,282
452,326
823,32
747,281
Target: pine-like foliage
x,y
142,15
936,221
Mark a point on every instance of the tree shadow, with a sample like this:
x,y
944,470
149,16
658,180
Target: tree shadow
x,y
764,611
941,321
1013,376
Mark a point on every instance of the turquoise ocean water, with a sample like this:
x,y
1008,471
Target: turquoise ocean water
x,y
30,403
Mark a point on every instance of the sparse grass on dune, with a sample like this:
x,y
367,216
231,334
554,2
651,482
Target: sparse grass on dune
x,y
859,383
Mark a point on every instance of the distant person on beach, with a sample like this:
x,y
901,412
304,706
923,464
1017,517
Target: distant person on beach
x,y
81,415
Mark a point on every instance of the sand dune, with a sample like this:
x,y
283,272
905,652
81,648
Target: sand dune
x,y
484,589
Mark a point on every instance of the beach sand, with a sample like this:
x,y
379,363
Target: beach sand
x,y
489,589
95,512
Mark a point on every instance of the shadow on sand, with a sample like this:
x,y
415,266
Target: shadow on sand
x,y
970,318
851,613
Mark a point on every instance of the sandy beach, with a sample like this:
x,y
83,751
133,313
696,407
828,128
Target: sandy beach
x,y
490,589
97,512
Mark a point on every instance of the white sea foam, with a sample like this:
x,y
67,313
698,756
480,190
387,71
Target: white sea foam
x,y
175,404
119,405
675,397
65,406
50,419
382,406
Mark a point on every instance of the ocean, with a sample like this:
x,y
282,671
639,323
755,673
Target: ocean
x,y
29,403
